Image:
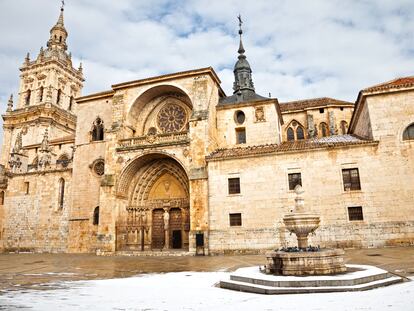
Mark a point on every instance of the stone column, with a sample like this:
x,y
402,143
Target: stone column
x,y
166,229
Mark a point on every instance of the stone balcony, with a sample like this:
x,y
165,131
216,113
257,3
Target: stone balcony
x,y
150,141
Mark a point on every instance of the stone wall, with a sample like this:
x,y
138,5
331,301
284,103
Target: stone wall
x,y
34,221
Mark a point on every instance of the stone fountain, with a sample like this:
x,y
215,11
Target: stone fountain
x,y
304,259
308,265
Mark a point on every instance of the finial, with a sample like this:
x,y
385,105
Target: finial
x,y
27,58
60,20
63,5
241,48
80,67
10,103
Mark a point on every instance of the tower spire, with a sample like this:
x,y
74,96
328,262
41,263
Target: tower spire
x,y
58,33
242,72
241,47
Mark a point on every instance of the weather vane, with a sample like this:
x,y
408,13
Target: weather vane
x,y
240,24
63,4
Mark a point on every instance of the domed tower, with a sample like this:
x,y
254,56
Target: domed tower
x,y
51,78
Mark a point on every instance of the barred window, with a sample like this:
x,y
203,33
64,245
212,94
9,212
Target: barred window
x,y
294,180
355,213
351,179
235,220
240,135
234,185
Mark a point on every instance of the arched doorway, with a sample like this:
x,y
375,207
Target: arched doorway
x,y
157,216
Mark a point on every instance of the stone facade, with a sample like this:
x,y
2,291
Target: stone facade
x,y
171,163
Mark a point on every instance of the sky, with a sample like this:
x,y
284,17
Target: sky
x,y
297,49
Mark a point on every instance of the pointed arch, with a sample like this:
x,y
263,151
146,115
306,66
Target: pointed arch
x,y
97,130
290,134
41,89
300,134
27,100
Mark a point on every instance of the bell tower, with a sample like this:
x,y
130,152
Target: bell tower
x,y
51,78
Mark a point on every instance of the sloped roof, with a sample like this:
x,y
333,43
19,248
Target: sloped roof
x,y
312,103
396,83
289,146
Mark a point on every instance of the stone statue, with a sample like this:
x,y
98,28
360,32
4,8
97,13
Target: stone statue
x,y
18,145
166,219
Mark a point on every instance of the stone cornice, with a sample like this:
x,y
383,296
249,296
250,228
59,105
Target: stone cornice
x,y
40,113
95,96
172,76
42,65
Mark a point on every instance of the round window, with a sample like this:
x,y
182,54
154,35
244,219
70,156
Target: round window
x,y
240,117
99,167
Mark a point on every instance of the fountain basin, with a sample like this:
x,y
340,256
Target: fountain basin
x,y
301,224
323,262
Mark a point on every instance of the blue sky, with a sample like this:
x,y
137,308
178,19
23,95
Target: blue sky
x,y
297,49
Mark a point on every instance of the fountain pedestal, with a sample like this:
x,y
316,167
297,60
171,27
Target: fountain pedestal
x,y
325,261
304,260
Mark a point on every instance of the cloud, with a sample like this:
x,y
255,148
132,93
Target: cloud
x,y
297,49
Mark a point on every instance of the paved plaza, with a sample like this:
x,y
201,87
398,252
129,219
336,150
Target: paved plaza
x,y
19,271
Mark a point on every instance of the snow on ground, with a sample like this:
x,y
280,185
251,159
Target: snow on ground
x,y
195,291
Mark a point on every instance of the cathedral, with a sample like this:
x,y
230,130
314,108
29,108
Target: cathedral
x,y
173,165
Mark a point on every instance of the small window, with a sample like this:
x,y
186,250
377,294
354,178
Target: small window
x,y
1,197
71,101
96,216
61,193
299,133
351,179
355,213
294,180
240,135
234,185
27,187
58,97
290,134
240,117
342,108
235,220
409,132
321,110
41,94
98,130
28,97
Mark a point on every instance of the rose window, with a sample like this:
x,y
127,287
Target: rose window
x,y
171,118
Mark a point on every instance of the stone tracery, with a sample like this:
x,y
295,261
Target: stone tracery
x,y
171,118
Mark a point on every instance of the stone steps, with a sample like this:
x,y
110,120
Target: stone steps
x,y
247,280
268,290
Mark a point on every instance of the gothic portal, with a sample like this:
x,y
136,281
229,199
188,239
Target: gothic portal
x,y
157,215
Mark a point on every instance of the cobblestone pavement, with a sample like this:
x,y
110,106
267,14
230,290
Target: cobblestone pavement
x,y
19,271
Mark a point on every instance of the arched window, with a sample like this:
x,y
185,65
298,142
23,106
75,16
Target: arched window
x,y
96,216
41,94
324,129
98,130
290,134
61,192
409,132
28,97
344,127
1,197
58,97
299,133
